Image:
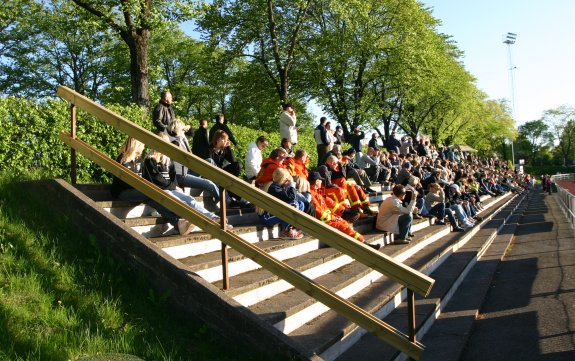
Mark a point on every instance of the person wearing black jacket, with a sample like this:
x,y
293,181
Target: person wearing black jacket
x,y
130,157
221,125
320,137
201,140
160,170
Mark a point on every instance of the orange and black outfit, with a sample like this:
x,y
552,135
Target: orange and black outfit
x,y
351,191
324,213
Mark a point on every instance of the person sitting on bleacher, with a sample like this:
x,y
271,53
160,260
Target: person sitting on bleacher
x,y
269,165
297,166
435,206
130,157
187,178
323,210
282,187
160,170
457,204
222,156
253,161
394,217
354,171
334,174
370,162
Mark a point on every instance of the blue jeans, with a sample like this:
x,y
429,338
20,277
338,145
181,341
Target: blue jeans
x,y
459,212
439,211
404,223
190,201
270,220
134,195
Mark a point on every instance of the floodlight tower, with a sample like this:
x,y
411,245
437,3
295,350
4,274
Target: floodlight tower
x,y
509,39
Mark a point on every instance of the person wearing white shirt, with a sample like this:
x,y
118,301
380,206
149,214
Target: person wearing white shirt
x,y
288,121
254,158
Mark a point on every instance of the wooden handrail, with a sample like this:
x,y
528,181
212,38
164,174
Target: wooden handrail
x,y
356,314
403,274
378,261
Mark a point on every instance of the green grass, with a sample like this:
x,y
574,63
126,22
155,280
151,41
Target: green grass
x,y
62,298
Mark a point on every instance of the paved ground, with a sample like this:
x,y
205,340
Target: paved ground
x,y
529,312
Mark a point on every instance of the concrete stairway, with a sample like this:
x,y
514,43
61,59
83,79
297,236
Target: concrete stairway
x,y
446,256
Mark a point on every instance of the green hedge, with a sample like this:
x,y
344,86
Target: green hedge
x,y
29,138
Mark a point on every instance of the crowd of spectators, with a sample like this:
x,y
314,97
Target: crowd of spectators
x,y
425,180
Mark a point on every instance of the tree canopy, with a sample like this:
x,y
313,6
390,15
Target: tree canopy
x,y
381,65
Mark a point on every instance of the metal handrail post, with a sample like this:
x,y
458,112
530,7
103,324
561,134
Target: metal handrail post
x,y
224,225
411,315
73,161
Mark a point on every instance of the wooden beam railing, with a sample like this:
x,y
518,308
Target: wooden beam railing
x,y
380,262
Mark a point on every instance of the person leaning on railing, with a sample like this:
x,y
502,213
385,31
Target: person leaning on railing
x,y
130,157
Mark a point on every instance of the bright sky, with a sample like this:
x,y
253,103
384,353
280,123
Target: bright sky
x,y
543,54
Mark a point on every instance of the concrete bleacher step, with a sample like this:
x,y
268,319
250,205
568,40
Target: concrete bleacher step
x,y
449,277
307,322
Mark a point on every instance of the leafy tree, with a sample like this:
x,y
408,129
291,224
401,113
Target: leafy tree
x,y
533,136
268,32
562,122
133,21
55,44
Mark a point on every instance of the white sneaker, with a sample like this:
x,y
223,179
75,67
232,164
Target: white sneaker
x,y
467,225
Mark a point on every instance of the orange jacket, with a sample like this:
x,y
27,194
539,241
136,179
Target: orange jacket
x,y
297,168
266,172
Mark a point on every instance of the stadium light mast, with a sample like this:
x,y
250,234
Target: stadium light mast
x,y
509,39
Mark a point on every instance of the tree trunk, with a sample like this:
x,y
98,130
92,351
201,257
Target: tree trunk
x,y
139,67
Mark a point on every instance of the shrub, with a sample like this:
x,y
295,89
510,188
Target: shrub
x,y
30,143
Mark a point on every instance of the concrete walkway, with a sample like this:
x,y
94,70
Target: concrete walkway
x,y
529,312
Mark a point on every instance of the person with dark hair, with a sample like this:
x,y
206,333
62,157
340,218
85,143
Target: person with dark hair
x,y
394,217
435,206
269,165
373,141
222,156
288,122
339,136
356,139
287,145
393,144
320,137
221,125
201,140
159,169
163,115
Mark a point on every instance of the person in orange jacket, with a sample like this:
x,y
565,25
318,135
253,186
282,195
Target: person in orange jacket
x,y
335,176
323,210
299,164
269,165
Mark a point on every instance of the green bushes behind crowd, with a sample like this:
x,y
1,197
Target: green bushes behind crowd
x,y
29,138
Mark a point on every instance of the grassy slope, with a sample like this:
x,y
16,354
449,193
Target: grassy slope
x,y
61,298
